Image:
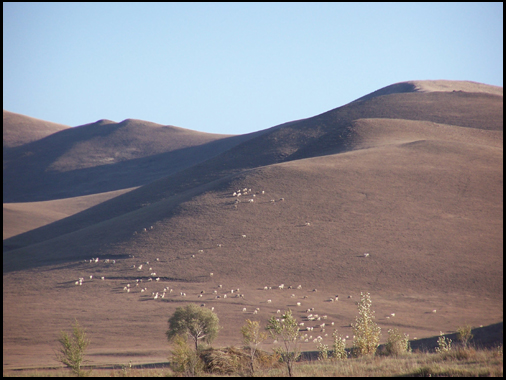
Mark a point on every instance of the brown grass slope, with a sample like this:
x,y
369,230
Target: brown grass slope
x,y
414,179
22,217
103,156
20,129
328,133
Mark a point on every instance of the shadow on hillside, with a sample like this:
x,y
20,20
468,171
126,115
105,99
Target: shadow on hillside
x,y
39,184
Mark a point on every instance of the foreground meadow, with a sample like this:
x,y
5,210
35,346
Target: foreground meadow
x,y
459,362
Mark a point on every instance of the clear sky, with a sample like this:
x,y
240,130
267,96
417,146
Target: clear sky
x,y
233,68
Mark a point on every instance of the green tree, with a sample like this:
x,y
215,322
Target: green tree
x,y
197,323
286,329
367,332
252,337
71,350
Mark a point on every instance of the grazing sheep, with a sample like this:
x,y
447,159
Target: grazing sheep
x,y
255,312
211,274
244,310
243,236
434,310
299,287
269,301
393,314
91,277
366,255
102,278
281,286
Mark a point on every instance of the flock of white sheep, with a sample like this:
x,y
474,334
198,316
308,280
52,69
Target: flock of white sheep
x,y
160,294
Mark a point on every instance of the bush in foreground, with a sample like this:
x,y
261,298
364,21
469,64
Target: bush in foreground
x,y
367,332
397,344
72,348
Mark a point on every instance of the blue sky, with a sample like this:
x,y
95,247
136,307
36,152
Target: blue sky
x,y
233,68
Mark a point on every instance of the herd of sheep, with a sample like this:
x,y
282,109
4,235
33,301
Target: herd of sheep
x,y
147,273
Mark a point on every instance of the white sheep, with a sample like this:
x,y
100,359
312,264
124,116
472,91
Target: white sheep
x,y
281,286
244,310
269,301
298,303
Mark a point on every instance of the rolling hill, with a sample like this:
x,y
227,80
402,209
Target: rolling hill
x,y
411,174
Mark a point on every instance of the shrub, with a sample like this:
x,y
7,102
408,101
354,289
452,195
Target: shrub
x,y
71,351
464,335
339,347
225,361
397,343
286,329
444,344
184,360
367,332
323,350
252,338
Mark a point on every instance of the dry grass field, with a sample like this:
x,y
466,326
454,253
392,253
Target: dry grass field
x,y
411,174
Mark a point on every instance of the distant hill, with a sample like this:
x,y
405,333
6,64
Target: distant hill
x,y
19,129
102,156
